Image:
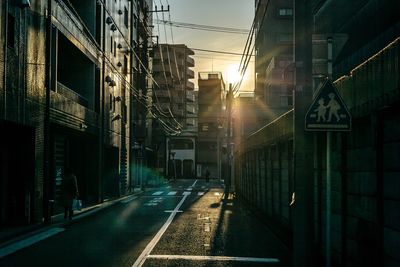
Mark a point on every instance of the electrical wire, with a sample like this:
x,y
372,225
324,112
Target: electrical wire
x,y
218,52
202,27
249,48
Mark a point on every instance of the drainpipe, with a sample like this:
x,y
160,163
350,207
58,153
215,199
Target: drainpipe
x,y
5,59
102,104
25,64
46,121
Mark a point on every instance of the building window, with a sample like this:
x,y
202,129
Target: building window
x,y
285,12
125,65
126,17
11,31
111,45
111,103
125,113
115,48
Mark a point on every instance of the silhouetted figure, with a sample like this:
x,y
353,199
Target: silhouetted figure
x,y
69,191
207,175
334,107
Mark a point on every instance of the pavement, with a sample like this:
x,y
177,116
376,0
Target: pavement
x,y
14,234
183,223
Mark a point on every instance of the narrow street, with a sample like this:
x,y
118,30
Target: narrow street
x,y
188,223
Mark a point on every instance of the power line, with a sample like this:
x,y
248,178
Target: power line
x,y
218,52
203,27
249,48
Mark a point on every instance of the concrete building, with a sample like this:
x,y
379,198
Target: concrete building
x,y
245,116
174,96
274,55
212,124
67,92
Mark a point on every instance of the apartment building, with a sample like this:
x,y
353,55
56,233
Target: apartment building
x,y
212,124
174,95
68,87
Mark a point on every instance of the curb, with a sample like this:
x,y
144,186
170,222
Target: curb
x,y
58,220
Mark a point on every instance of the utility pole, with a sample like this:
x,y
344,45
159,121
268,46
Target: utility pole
x,y
303,217
229,103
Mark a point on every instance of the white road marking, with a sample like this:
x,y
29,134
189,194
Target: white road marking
x,y
207,227
158,199
169,211
189,188
186,193
29,241
157,193
151,204
128,199
200,193
213,258
173,193
146,252
194,183
216,194
203,187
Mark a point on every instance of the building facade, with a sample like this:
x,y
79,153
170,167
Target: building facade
x,y
174,96
212,124
68,94
273,58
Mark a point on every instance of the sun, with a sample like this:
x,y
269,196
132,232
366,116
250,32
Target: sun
x,y
232,74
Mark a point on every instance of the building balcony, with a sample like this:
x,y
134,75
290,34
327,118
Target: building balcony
x,y
70,25
190,96
162,81
190,109
189,74
177,100
190,62
177,112
190,121
72,95
161,93
189,85
158,67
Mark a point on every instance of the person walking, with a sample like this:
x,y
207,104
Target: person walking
x,y
207,175
69,191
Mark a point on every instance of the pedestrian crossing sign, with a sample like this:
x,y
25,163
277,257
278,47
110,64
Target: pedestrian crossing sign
x,y
328,112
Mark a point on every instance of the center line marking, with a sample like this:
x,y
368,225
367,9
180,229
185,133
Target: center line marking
x,y
213,258
146,252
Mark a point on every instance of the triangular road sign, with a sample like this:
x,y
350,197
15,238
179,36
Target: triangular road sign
x,y
328,112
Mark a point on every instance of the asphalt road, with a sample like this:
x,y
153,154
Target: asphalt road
x,y
187,223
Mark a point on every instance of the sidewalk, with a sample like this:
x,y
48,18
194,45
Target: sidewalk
x,y
11,235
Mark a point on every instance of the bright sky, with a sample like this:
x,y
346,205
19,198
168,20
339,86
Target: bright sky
x,y
223,13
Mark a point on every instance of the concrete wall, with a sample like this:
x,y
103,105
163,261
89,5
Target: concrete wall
x,y
365,170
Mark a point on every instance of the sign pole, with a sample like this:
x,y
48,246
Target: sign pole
x,y
328,168
328,113
328,198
